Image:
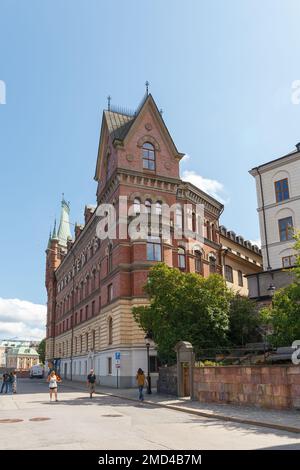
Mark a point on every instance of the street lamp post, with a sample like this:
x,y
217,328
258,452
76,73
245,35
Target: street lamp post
x,y
271,290
148,340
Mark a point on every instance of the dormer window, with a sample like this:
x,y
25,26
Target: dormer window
x,y
148,156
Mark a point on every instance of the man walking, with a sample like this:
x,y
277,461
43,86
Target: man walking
x,y
4,383
91,382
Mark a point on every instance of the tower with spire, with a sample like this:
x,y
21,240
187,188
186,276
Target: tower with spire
x,y
55,252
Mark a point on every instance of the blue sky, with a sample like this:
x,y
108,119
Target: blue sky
x,y
221,70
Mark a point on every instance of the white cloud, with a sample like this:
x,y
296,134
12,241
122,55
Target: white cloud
x,y
185,157
22,319
212,187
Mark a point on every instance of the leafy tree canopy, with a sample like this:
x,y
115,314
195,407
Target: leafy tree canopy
x,y
189,307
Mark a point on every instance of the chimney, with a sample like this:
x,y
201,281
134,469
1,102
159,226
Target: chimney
x,y
88,212
78,230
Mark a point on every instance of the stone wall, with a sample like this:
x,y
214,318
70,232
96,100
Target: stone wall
x,y
167,381
276,387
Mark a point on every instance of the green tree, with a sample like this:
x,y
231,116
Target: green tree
x,y
283,316
244,321
184,306
42,350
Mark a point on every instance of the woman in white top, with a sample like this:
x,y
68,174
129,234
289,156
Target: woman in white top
x,y
53,379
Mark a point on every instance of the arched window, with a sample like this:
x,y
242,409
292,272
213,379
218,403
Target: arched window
x,y
178,216
212,263
198,261
148,156
148,204
181,258
208,230
110,331
158,208
194,225
136,206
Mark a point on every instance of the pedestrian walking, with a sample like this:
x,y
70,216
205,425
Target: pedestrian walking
x,y
4,384
14,384
53,380
141,381
91,382
10,380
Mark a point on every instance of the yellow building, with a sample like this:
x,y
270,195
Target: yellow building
x,y
239,258
22,358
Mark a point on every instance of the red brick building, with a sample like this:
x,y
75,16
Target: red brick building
x,y
92,285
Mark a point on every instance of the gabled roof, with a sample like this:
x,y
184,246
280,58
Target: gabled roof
x,y
119,125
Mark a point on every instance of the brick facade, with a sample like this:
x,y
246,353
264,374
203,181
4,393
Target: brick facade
x,y
92,285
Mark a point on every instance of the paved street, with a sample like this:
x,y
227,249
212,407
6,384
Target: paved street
x,y
106,422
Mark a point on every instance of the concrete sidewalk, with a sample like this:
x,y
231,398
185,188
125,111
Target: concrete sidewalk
x,y
286,420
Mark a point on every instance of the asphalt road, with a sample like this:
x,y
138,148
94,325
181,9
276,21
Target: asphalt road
x,y
77,422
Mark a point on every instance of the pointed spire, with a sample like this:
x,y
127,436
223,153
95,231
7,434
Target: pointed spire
x,y
64,231
54,230
49,240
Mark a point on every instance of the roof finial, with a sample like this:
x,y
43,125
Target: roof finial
x,y
147,87
108,102
161,111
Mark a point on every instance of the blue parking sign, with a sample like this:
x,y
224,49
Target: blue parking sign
x,y
117,356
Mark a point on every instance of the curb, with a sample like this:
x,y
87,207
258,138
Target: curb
x,y
280,427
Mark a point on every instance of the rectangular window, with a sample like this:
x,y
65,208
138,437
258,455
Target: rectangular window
x,y
212,264
86,312
240,278
154,249
154,363
285,229
93,339
93,308
99,303
198,263
288,261
228,274
109,365
110,292
282,190
80,315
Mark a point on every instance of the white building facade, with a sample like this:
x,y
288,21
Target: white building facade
x,y
278,197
